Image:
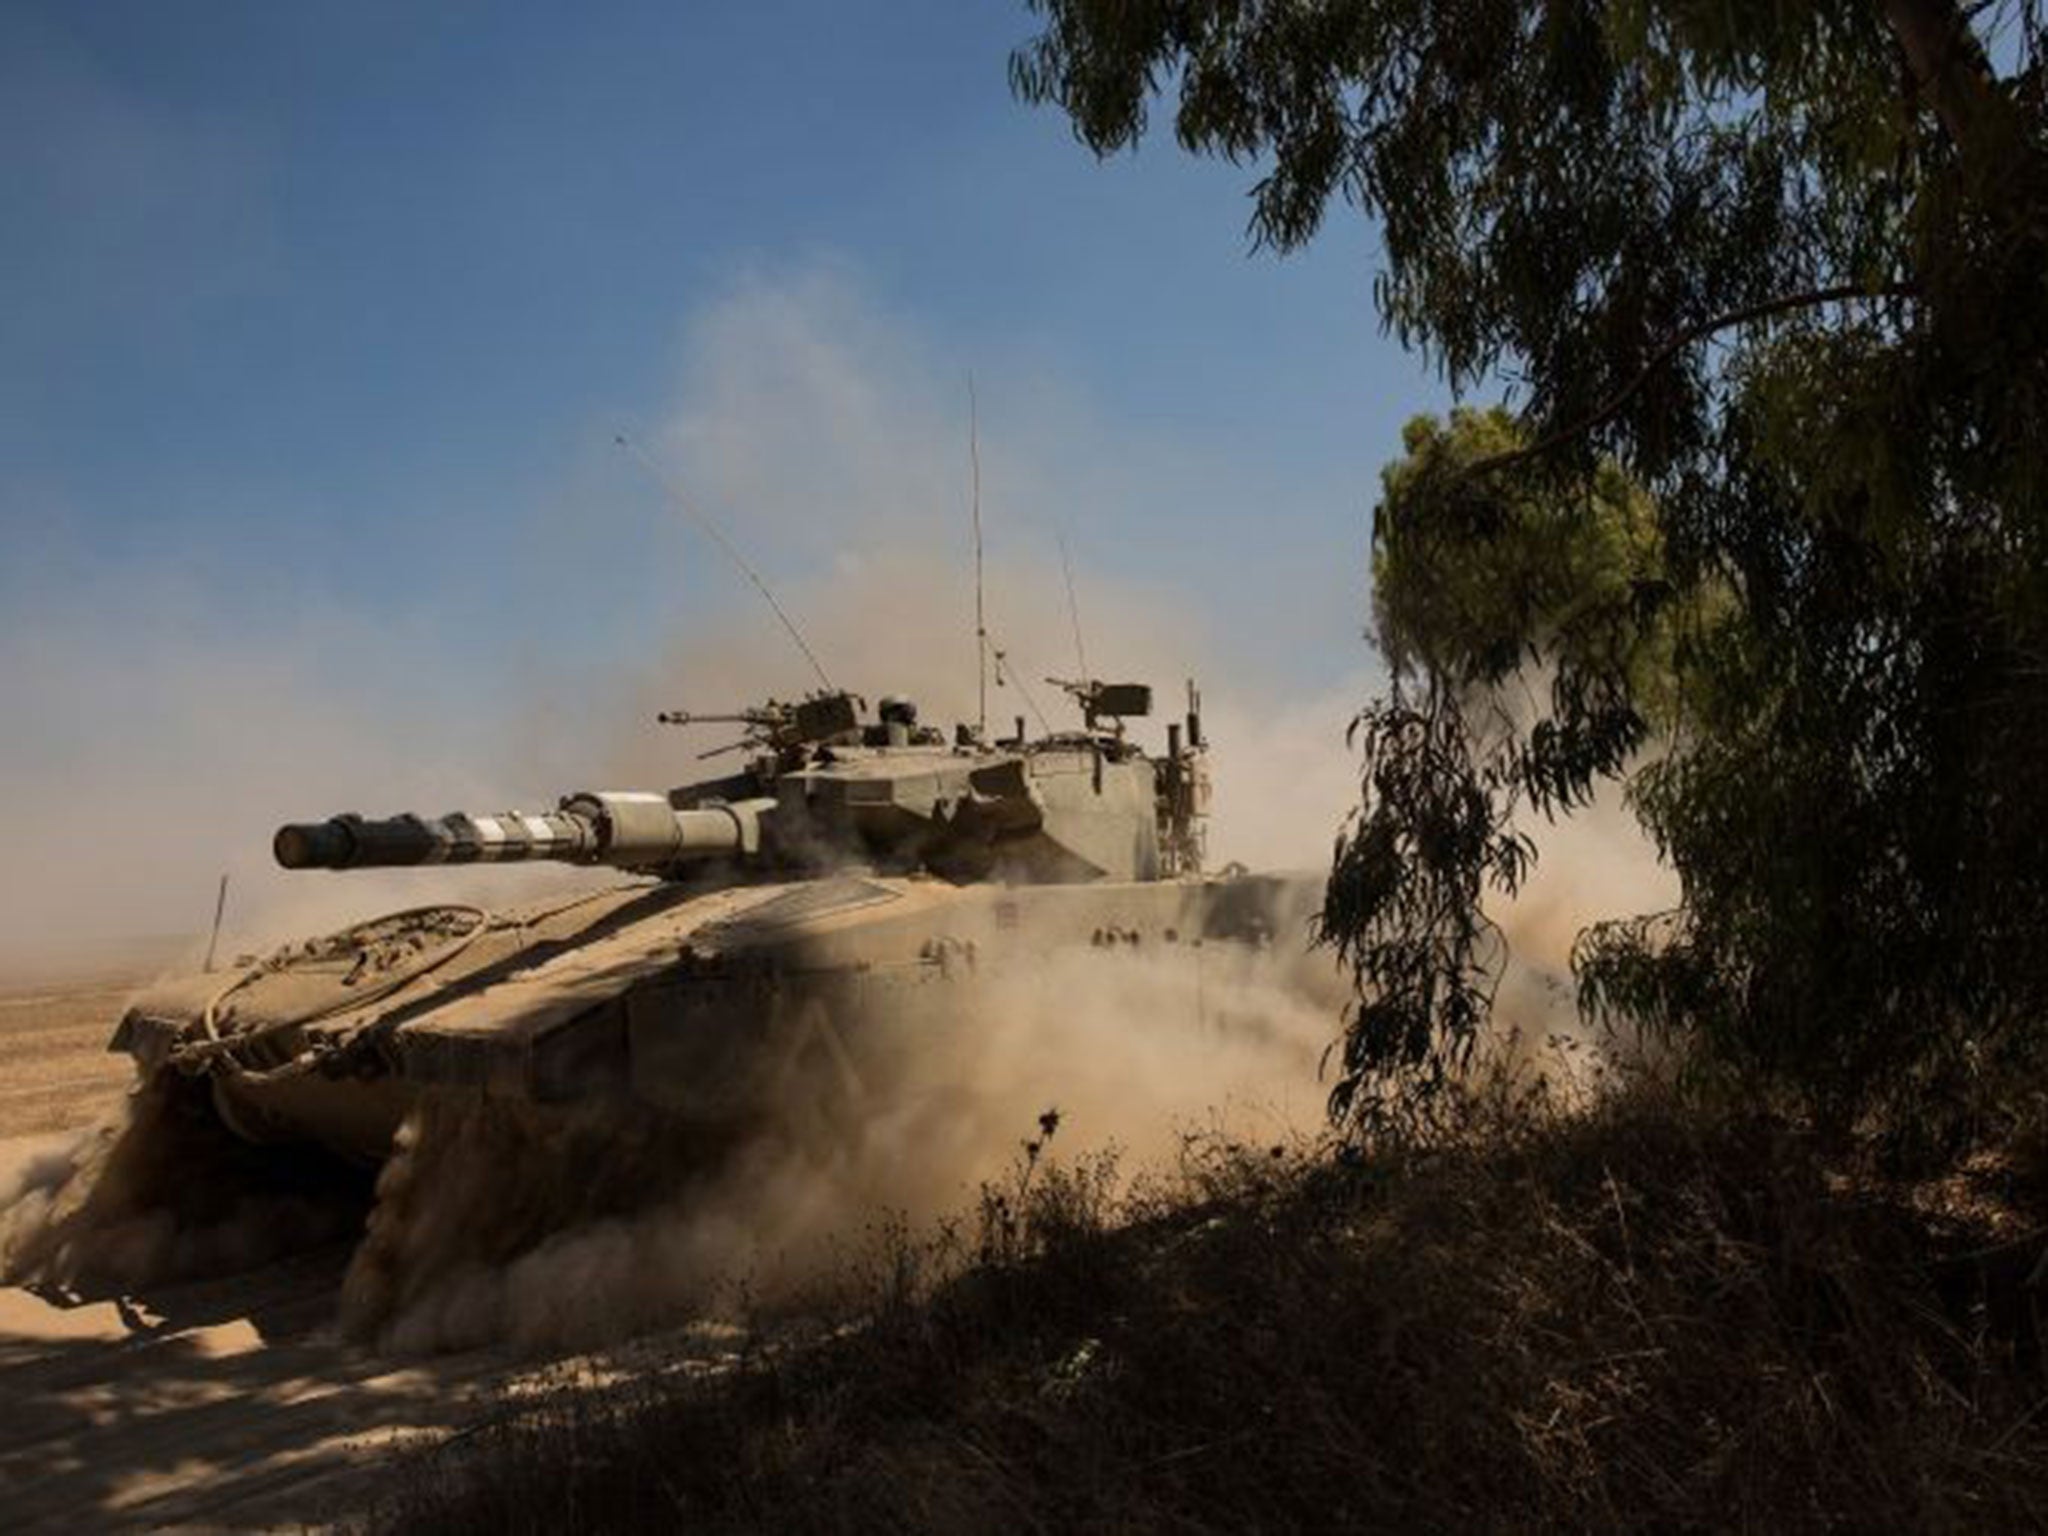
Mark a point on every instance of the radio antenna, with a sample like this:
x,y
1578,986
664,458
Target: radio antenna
x,y
1017,676
1073,604
980,618
711,531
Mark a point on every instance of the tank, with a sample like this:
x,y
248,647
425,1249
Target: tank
x,y
858,867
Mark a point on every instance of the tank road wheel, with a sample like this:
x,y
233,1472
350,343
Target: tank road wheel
x,y
818,1097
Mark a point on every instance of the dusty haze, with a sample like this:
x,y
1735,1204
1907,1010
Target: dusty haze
x,y
163,720
1132,1051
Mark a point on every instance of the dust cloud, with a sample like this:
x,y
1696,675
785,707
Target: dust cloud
x,y
159,1192
500,1224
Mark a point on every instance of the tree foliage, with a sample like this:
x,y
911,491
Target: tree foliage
x,y
1770,285
1528,640
1478,588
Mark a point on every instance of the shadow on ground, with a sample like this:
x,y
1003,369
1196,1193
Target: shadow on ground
x,y
227,1403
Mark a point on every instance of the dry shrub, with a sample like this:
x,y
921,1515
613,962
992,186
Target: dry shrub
x,y
1641,1315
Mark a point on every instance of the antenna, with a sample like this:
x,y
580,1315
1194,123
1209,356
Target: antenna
x,y
1017,677
1073,606
711,531
220,907
980,621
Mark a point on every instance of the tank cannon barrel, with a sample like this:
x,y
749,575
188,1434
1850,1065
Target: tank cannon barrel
x,y
623,829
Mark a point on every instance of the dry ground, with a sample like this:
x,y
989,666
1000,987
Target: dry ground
x,y
55,1071
222,1404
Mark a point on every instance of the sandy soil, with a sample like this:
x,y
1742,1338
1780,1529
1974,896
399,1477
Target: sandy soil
x,y
55,1070
224,1404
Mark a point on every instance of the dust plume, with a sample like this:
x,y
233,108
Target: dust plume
x,y
547,1230
831,443
160,1191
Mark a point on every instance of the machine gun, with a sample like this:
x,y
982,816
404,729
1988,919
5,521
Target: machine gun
x,y
780,727
1111,701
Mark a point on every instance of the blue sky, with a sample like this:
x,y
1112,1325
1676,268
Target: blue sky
x,y
316,322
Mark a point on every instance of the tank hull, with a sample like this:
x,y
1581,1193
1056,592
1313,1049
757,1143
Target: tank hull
x,y
711,1006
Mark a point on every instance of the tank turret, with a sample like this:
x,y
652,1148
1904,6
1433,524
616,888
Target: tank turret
x,y
822,791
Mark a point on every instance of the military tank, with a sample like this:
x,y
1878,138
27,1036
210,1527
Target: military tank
x,y
856,869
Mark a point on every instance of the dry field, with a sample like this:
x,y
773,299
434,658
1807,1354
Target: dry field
x,y
221,1404
55,1071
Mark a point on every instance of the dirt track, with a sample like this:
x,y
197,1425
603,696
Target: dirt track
x,y
220,1404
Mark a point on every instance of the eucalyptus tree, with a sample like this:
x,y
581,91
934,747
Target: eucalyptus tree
x,y
1782,269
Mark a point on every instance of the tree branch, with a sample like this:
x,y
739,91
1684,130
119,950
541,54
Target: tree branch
x,y
1611,407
